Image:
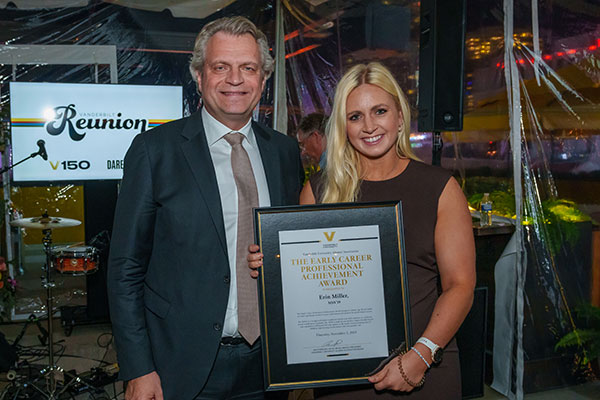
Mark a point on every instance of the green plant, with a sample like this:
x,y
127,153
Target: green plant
x,y
557,217
561,216
503,202
587,337
487,184
310,170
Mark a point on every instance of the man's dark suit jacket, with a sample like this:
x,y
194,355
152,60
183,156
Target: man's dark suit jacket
x,y
168,273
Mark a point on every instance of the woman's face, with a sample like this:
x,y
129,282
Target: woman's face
x,y
372,122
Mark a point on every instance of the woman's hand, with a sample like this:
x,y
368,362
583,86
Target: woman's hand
x,y
390,378
255,260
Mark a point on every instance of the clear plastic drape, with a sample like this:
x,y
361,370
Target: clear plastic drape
x,y
549,68
323,40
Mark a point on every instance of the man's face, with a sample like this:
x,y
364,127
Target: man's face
x,y
231,80
311,145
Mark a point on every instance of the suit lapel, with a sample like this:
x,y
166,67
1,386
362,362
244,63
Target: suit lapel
x,y
269,155
197,154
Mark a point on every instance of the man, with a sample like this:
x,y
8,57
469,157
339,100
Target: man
x,y
184,212
312,139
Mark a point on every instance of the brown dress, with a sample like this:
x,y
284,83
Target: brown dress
x,y
419,187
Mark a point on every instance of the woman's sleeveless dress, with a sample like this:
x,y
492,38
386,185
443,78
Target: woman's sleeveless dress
x,y
419,188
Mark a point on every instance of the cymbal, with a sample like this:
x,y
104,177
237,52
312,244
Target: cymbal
x,y
45,222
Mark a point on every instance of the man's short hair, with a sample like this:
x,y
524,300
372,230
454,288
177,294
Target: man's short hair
x,y
314,122
236,26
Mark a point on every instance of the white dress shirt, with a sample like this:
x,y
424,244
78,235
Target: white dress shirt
x,y
220,151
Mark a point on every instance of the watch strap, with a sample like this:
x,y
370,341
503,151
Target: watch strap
x,y
430,345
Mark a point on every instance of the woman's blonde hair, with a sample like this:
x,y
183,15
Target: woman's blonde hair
x,y
343,173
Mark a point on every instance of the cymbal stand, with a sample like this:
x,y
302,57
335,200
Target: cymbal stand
x,y
53,390
48,284
51,370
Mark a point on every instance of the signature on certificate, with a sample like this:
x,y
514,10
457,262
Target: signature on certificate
x,y
332,343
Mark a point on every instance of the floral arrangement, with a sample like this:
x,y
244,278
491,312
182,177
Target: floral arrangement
x,y
8,286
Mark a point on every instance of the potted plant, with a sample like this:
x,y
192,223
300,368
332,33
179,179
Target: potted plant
x,y
585,339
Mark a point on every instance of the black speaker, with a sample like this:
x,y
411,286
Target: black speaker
x,y
387,26
471,340
100,199
441,65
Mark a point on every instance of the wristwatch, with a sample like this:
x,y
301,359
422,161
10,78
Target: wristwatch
x,y
436,351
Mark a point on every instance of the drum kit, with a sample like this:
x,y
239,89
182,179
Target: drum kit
x,y
67,260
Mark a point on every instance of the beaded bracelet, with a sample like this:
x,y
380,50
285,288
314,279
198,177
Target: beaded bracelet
x,y
411,383
422,358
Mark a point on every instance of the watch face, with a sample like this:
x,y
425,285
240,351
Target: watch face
x,y
437,356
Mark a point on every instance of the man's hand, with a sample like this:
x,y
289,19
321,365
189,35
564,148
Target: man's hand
x,y
146,387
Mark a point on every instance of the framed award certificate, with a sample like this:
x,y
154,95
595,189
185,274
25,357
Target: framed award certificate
x,y
333,292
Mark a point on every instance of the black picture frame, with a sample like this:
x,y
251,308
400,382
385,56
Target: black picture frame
x,y
269,221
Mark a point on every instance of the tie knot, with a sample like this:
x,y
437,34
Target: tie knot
x,y
234,138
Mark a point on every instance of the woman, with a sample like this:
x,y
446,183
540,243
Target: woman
x,y
369,159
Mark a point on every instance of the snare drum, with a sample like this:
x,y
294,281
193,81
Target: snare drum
x,y
80,260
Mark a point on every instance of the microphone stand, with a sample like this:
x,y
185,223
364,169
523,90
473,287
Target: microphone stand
x,y
37,153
